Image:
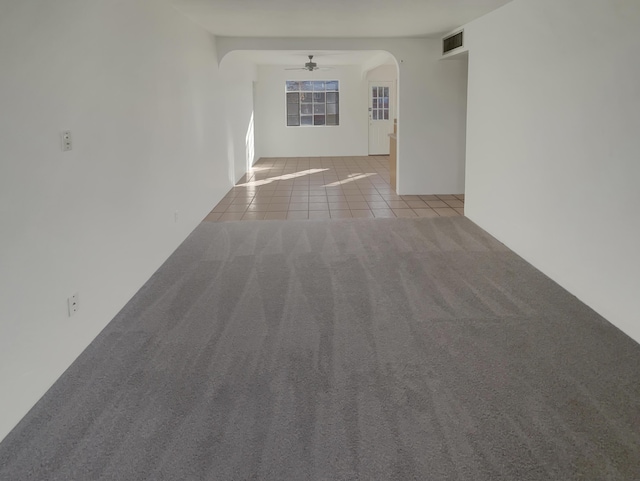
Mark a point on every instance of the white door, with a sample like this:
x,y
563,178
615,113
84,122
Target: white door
x,y
380,117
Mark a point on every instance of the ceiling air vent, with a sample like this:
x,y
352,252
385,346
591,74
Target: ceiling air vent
x,y
452,42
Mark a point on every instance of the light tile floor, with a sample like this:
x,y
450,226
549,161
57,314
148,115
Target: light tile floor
x,y
326,188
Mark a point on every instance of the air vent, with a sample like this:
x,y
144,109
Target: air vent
x,y
452,42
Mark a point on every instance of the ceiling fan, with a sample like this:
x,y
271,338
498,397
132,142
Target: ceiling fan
x,y
310,66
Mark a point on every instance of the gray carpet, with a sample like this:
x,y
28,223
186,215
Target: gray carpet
x,y
342,350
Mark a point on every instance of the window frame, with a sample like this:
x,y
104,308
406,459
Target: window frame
x,y
314,93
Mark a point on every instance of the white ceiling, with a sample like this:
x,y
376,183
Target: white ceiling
x,y
324,58
333,18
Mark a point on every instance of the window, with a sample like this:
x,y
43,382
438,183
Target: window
x,y
313,102
380,103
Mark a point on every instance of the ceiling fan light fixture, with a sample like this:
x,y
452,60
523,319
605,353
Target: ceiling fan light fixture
x,y
311,65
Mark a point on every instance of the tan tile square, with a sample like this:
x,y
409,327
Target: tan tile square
x,y
397,204
361,213
338,206
321,192
378,205
318,214
416,204
391,197
317,198
318,206
436,203
426,213
373,198
383,213
455,203
258,208
358,205
212,217
242,201
429,197
237,208
276,199
446,196
459,210
295,215
404,213
275,216
220,208
354,198
253,215
410,197
245,190
299,206
226,201
460,196
446,212
231,216
278,207
261,200
336,198
341,214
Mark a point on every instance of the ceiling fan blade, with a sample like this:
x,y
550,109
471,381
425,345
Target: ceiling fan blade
x,y
297,68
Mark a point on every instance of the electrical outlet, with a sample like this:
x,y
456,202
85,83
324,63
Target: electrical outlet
x,y
72,303
66,141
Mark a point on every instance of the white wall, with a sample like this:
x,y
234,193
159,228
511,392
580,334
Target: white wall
x,y
275,139
553,146
431,120
432,105
138,86
238,76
